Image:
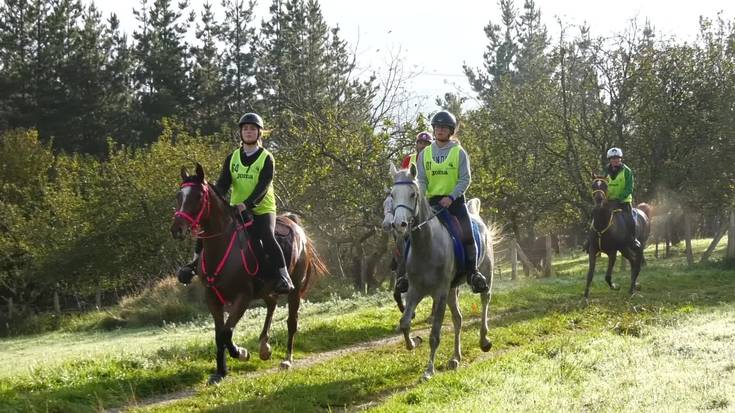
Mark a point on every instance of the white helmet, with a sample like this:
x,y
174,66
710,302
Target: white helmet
x,y
614,153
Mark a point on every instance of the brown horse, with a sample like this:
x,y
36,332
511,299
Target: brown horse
x,y
608,234
235,274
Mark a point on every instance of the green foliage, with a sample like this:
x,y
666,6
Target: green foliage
x,y
549,114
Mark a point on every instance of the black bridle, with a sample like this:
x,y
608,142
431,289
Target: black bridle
x,y
415,207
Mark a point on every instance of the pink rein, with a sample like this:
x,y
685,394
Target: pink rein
x,y
195,224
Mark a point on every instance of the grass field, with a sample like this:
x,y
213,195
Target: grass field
x,y
669,348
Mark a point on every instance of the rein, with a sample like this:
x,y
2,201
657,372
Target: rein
x,y
195,224
599,233
413,210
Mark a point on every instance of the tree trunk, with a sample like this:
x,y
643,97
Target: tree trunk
x,y
548,271
57,303
688,239
98,299
11,310
716,240
528,267
513,261
731,236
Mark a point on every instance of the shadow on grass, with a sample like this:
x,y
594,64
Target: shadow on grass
x,y
664,289
303,397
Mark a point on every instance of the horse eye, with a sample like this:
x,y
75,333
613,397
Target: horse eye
x,y
413,195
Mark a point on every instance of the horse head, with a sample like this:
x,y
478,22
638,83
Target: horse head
x,y
405,196
192,203
599,190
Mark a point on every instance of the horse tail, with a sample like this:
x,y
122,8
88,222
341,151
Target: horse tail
x,y
647,209
474,206
314,266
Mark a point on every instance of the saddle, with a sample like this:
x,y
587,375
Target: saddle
x,y
451,223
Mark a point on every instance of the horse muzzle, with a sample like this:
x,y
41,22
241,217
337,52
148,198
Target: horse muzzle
x,y
179,229
400,226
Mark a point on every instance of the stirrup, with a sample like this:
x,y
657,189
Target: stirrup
x,y
478,282
186,273
401,284
282,287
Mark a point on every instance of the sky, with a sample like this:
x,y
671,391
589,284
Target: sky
x,y
434,38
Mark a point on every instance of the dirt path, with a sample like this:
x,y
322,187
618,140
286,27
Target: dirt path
x,y
299,364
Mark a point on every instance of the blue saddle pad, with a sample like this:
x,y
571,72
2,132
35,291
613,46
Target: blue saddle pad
x,y
452,225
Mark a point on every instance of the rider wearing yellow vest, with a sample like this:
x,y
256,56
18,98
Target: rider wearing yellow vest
x,y
249,171
620,190
444,175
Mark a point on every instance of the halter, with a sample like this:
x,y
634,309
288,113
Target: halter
x,y
413,210
195,222
416,204
602,191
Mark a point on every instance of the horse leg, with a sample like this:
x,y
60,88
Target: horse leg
x,y
611,258
590,274
635,268
412,300
265,347
399,300
216,309
485,343
238,306
440,306
294,302
452,301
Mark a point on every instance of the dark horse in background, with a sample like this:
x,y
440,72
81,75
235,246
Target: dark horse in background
x,y
236,274
608,234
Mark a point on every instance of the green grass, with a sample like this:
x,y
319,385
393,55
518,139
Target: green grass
x,y
666,347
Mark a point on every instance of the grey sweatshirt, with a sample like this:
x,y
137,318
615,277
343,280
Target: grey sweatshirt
x,y
439,155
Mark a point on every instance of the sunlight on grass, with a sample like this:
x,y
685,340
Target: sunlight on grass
x,y
550,352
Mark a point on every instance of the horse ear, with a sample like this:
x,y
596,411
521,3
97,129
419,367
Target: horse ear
x,y
200,171
413,171
184,173
393,170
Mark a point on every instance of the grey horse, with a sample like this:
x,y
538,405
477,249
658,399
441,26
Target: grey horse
x,y
431,267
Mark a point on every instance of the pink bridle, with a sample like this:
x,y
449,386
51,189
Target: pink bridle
x,y
195,222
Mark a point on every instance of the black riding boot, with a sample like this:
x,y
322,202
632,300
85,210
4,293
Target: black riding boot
x,y
187,272
475,279
401,279
632,239
283,284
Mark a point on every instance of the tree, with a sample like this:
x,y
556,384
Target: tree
x,y
238,57
162,64
208,106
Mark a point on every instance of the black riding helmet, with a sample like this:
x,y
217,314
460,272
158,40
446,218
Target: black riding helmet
x,y
444,118
251,118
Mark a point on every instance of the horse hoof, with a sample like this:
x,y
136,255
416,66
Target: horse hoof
x,y
215,378
637,287
453,364
427,376
485,346
615,287
265,351
286,364
244,355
